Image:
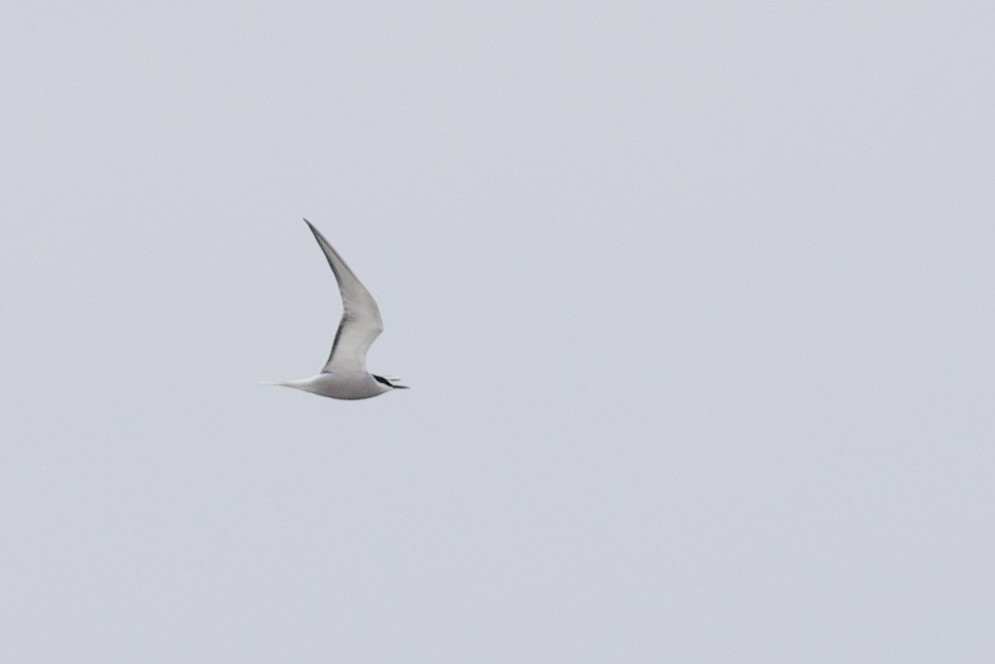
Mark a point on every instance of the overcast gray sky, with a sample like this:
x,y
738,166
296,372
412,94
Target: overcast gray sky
x,y
695,300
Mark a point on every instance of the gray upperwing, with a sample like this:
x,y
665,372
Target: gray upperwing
x,y
361,323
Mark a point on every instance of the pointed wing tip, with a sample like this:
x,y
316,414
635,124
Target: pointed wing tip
x,y
314,231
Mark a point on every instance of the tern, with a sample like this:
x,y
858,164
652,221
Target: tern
x,y
344,375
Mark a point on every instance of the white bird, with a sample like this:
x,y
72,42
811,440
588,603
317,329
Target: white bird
x,y
344,375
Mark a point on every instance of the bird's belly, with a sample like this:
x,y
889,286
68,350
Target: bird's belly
x,y
348,387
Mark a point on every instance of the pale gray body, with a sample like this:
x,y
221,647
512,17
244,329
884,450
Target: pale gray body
x,y
341,386
344,375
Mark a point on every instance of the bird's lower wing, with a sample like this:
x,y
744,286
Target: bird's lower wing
x,y
352,341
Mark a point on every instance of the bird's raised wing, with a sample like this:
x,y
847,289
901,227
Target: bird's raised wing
x,y
361,322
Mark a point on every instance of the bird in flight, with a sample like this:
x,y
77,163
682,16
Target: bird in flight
x,y
344,375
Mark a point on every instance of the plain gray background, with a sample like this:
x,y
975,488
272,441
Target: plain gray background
x,y
695,300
